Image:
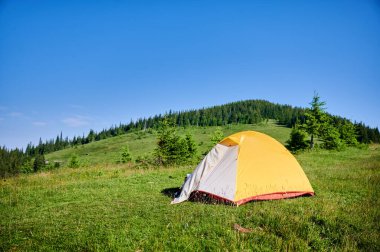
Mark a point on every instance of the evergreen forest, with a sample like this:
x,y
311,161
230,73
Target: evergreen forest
x,y
14,161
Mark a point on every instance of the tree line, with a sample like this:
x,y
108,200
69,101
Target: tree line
x,y
241,112
332,132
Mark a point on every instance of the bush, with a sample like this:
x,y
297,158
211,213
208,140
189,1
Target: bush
x,y
144,161
39,163
297,140
363,146
27,166
348,134
125,155
74,161
191,148
331,139
171,148
217,136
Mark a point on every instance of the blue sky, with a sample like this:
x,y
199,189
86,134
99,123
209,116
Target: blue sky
x,y
72,66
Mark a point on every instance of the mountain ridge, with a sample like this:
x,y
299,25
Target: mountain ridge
x,y
239,112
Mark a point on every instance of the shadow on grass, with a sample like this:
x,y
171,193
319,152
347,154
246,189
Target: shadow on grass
x,y
198,197
170,192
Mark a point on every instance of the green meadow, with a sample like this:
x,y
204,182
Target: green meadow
x,y
142,143
106,206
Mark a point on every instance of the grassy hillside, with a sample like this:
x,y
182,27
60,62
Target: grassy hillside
x,y
143,143
113,207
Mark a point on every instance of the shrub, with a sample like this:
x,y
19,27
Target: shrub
x,y
126,155
331,139
27,166
74,161
171,148
217,136
191,148
39,163
144,161
297,140
348,134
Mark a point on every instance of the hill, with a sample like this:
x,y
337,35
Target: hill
x,y
13,162
142,142
241,112
107,206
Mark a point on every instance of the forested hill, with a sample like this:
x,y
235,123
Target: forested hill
x,y
241,112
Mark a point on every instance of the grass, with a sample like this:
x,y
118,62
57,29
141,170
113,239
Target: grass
x,y
113,207
143,143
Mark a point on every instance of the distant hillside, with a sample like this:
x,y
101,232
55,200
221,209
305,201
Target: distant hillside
x,y
245,113
241,112
142,143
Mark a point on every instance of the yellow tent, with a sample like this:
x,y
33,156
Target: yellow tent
x,y
247,166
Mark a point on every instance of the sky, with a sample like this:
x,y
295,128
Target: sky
x,y
71,66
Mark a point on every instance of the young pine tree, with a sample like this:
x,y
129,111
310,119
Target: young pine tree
x,y
167,137
331,138
171,148
217,136
191,147
126,155
297,140
74,161
316,119
348,133
39,163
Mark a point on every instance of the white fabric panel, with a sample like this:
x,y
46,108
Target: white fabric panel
x,y
203,170
221,181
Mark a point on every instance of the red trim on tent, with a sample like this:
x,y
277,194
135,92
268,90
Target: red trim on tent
x,y
274,196
270,196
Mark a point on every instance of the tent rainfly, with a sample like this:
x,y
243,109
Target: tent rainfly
x,y
247,166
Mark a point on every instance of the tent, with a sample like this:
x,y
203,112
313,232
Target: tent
x,y
247,166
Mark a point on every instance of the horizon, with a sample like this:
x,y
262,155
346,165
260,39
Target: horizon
x,y
73,66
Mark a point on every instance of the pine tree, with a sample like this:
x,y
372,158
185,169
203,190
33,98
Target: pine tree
x,y
91,136
166,138
126,155
348,133
297,140
39,163
331,138
191,147
217,136
74,161
315,119
171,148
